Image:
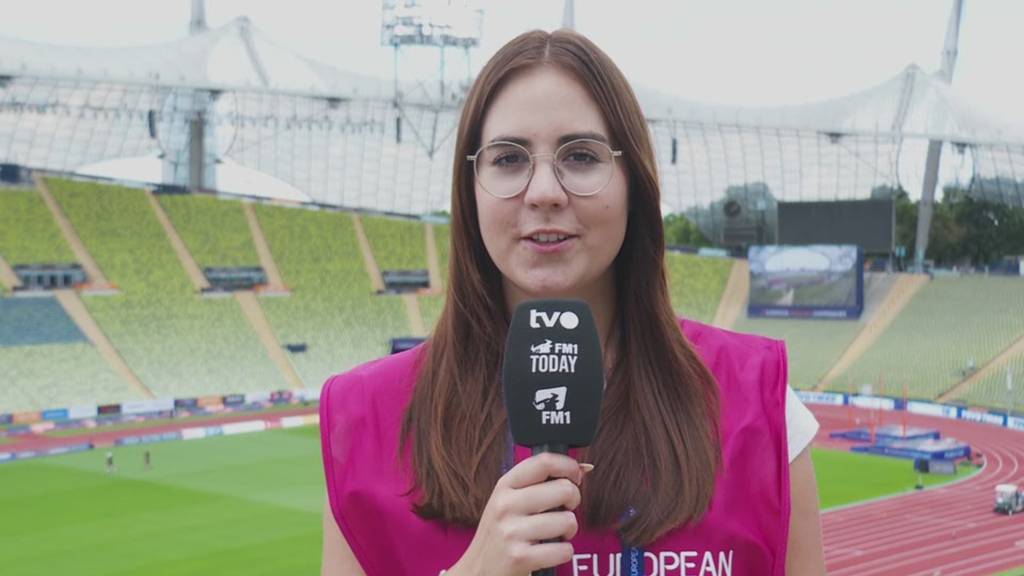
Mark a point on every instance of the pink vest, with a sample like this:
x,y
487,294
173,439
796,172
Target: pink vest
x,y
744,533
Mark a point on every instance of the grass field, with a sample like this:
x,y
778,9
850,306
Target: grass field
x,y
243,505
247,504
846,477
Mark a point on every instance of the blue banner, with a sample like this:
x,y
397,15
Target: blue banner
x,y
54,415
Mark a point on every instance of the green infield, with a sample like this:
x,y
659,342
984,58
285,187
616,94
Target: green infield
x,y
847,477
247,504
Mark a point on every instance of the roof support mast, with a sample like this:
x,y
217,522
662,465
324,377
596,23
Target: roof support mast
x,y
186,161
198,22
197,128
931,174
569,15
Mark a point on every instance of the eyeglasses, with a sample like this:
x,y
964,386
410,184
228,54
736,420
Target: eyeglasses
x,y
583,167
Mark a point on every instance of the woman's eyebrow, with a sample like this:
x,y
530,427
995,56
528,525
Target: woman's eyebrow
x,y
525,142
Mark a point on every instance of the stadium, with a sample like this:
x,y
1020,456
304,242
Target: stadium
x,y
195,235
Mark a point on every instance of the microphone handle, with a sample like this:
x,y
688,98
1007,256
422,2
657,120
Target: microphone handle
x,y
557,449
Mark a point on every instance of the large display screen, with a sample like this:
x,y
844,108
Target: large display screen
x,y
869,224
815,281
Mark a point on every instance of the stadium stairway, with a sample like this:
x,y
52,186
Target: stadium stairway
x,y
376,280
412,310
899,295
258,320
410,301
77,311
275,285
8,279
734,297
994,366
97,280
438,238
188,263
247,301
433,268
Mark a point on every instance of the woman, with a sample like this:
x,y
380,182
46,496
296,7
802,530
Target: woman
x,y
555,194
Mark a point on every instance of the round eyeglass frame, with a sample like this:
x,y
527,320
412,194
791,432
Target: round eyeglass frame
x,y
476,174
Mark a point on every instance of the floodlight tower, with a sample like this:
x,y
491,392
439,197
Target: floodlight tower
x,y
439,24
931,171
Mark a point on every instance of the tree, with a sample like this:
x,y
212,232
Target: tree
x,y
681,231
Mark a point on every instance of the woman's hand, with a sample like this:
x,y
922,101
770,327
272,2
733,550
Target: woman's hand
x,y
522,514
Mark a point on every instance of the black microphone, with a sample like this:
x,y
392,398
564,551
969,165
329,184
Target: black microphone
x,y
553,377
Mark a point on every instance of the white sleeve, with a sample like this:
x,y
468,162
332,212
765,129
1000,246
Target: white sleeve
x,y
801,425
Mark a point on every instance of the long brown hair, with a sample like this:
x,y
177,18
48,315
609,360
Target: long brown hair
x,y
657,446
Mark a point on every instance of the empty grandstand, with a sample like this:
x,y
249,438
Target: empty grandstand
x,y
318,254
46,360
952,328
215,230
937,342
212,345
696,284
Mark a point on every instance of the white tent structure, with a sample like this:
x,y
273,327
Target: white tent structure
x,y
232,96
227,94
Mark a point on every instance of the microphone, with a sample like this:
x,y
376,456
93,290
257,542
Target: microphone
x,y
553,377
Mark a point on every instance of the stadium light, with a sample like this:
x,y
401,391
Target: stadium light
x,y
431,23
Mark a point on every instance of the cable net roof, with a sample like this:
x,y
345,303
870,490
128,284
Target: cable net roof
x,y
340,138
236,56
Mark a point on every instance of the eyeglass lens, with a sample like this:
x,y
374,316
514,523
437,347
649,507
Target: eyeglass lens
x,y
583,167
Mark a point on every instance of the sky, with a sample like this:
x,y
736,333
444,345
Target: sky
x,y
741,52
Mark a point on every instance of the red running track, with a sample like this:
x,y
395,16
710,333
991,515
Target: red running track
x,y
101,437
947,531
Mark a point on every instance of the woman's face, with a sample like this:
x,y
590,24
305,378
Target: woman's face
x,y
541,108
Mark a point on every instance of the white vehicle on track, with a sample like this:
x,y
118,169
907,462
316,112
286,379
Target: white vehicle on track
x,y
1009,499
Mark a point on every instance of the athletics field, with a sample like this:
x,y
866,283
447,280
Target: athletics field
x,y
248,504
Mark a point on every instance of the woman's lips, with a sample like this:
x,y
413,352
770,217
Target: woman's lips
x,y
549,247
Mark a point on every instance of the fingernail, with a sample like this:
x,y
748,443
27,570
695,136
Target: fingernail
x,y
585,467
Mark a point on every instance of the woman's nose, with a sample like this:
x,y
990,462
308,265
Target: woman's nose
x,y
544,188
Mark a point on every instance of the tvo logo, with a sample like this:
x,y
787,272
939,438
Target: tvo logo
x,y
540,319
550,403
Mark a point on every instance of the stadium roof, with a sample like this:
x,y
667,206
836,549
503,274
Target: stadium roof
x,y
340,139
911,104
235,56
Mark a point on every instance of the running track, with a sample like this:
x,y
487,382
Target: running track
x,y
101,438
944,531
